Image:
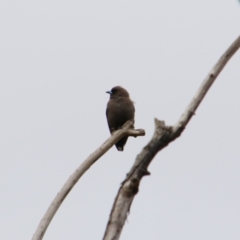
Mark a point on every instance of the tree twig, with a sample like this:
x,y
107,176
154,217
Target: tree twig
x,y
163,135
127,130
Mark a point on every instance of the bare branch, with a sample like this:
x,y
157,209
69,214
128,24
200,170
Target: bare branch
x,y
207,83
127,130
163,135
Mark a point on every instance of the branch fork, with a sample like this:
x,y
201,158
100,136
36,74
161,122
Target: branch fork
x,y
163,135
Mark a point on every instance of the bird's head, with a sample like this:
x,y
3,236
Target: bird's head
x,y
118,92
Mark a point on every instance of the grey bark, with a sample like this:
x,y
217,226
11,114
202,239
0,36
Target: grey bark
x,y
163,135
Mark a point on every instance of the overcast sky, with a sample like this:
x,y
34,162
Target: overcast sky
x,y
57,60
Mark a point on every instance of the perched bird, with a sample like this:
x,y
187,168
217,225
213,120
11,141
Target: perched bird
x,y
120,109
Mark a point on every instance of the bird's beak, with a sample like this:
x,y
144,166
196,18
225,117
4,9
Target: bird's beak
x,y
109,92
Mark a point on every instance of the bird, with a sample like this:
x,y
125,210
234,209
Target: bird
x,y
120,109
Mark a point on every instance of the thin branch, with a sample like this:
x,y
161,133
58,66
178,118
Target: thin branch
x,y
163,135
127,130
206,84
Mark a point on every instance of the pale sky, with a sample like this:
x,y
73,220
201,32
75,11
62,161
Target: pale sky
x,y
58,58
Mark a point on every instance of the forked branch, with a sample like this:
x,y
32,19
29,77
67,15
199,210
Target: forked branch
x,y
163,135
